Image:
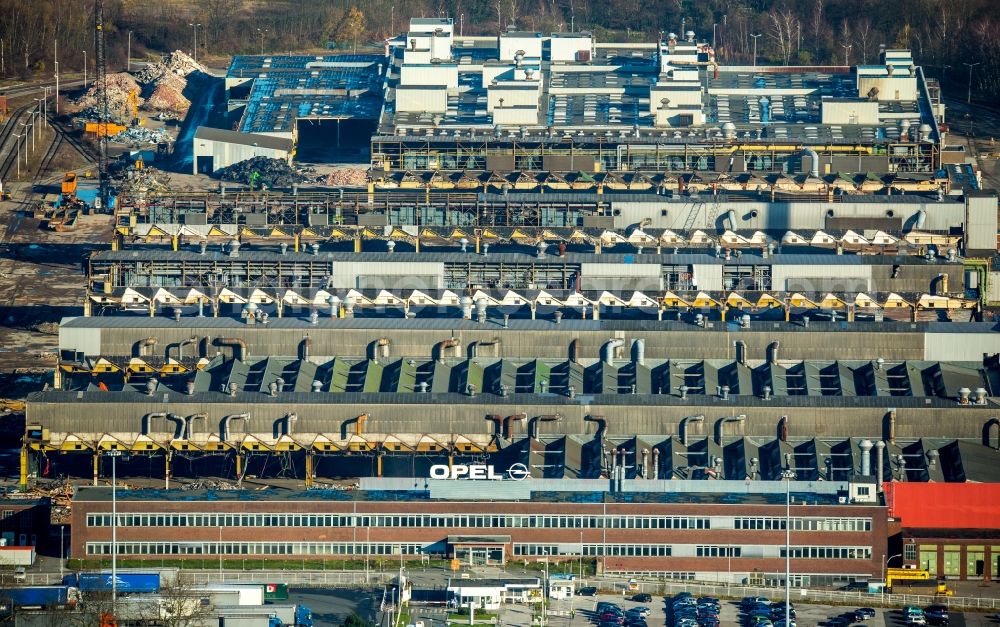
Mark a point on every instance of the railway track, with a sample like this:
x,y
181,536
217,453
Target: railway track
x,y
7,147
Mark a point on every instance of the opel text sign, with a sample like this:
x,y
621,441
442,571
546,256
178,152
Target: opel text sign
x,y
516,472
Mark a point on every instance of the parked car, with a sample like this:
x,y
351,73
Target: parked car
x,y
937,614
642,597
864,613
748,602
640,610
20,575
587,591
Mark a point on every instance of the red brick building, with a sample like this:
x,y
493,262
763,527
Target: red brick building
x,y
724,536
950,529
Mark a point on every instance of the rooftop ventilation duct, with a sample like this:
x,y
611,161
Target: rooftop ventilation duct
x,y
151,385
741,351
699,320
466,304
481,310
540,247
980,396
557,317
234,248
866,457
609,350
314,317
813,162
391,246
317,385
315,248
189,386
963,396
772,352
724,392
745,321
766,392
202,247
639,351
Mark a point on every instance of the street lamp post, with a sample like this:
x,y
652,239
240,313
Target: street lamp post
x,y
17,145
788,475
195,25
755,47
128,54
114,454
84,70
968,99
220,552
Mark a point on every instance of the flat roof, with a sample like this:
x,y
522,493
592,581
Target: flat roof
x,y
102,494
244,139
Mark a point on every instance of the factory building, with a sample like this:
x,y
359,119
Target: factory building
x,y
565,103
216,148
725,532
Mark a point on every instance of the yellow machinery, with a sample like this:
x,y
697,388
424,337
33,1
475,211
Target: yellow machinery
x,y
103,129
69,185
133,106
913,574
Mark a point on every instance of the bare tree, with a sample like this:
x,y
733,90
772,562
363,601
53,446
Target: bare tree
x,y
513,8
817,19
784,26
863,31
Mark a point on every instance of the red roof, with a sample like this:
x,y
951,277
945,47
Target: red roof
x,y
945,505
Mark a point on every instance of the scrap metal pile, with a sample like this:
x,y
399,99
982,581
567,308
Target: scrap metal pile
x,y
346,177
269,172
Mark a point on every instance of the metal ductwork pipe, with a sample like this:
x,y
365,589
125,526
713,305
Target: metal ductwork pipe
x,y
189,424
639,351
151,385
143,344
574,350
189,386
508,426
147,421
533,423
772,352
741,352
443,345
224,425
466,304
609,350
892,426
783,427
988,433
682,427
731,219
720,425
304,347
602,424
656,464
879,454
240,350
645,463
921,219
814,162
866,457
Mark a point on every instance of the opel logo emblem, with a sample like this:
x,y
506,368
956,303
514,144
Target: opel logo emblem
x,y
518,472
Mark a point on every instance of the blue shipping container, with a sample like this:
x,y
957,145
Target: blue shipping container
x,y
127,582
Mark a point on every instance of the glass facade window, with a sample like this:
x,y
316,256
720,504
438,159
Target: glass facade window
x,y
909,552
929,558
975,561
952,566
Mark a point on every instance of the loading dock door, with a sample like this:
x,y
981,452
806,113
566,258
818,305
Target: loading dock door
x,y
206,164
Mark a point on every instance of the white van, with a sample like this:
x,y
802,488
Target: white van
x,y
20,575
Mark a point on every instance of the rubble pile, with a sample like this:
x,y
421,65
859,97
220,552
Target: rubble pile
x,y
120,85
176,63
168,95
208,484
162,84
273,172
141,135
347,177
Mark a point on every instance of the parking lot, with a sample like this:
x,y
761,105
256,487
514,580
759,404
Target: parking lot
x,y
579,612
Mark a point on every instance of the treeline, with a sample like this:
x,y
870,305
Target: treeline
x,y
943,34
